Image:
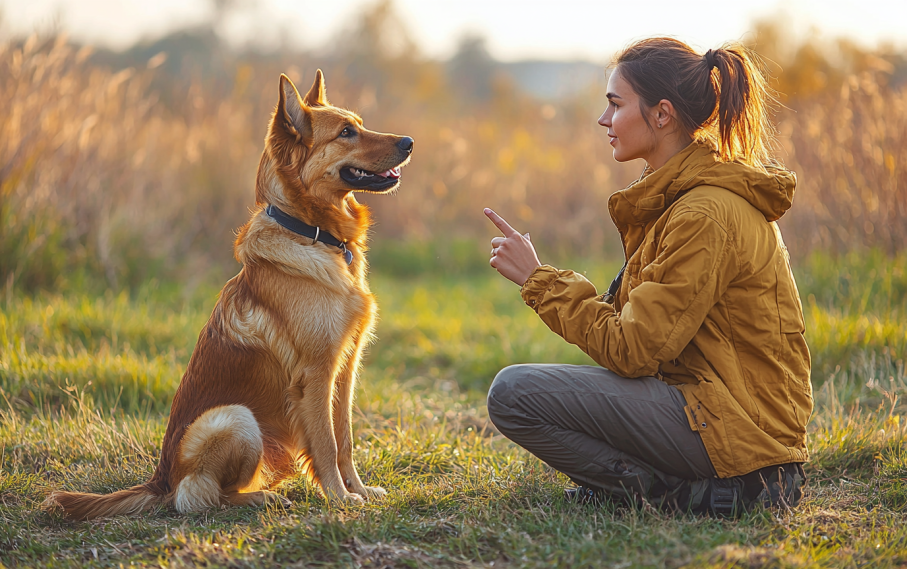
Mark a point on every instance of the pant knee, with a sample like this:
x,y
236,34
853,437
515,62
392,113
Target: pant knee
x,y
503,392
503,385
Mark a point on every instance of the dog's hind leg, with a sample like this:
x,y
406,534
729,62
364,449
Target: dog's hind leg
x,y
220,456
343,409
258,498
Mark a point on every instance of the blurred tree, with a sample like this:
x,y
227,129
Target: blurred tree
x,y
471,70
815,67
378,50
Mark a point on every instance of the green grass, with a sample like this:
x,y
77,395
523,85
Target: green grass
x,y
87,382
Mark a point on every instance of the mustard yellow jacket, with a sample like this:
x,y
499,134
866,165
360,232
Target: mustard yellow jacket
x,y
708,304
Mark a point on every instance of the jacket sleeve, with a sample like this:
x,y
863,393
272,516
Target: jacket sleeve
x,y
694,262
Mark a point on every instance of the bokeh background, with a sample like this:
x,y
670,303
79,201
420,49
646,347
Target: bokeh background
x,y
129,152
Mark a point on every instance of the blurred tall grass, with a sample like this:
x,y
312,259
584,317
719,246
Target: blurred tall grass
x,y
115,169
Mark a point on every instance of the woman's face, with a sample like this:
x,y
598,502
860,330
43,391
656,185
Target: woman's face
x,y
629,134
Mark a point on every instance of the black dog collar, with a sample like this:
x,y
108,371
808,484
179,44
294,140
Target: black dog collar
x,y
306,230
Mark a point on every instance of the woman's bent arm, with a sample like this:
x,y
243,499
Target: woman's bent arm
x,y
694,262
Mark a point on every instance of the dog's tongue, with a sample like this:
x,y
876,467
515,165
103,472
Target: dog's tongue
x,y
392,173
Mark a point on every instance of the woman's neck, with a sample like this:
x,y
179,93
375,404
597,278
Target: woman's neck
x,y
666,148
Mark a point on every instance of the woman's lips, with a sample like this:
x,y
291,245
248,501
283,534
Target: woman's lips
x,y
612,140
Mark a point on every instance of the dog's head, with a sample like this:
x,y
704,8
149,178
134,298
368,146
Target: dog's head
x,y
316,149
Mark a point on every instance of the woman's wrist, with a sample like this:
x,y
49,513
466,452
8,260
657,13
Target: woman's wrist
x,y
529,276
536,285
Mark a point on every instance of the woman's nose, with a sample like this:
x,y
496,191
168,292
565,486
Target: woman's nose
x,y
603,120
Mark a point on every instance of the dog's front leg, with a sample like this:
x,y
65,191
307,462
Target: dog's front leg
x,y
312,410
343,411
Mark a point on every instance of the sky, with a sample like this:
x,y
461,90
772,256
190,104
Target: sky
x,y
524,29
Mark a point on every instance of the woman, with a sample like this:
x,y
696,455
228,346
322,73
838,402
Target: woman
x,y
704,394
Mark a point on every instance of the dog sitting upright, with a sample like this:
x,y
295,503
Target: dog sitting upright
x,y
269,387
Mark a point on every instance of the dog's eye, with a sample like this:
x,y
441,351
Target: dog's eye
x,y
347,132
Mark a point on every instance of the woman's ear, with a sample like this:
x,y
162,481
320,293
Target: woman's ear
x,y
664,113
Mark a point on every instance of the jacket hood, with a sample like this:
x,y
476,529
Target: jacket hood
x,y
771,191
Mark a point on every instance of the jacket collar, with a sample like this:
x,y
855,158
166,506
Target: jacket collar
x,y
647,198
770,189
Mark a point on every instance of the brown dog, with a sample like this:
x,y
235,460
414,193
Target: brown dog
x,y
270,385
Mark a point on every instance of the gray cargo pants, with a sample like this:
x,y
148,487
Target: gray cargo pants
x,y
624,436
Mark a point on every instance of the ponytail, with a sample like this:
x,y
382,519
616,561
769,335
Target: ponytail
x,y
721,98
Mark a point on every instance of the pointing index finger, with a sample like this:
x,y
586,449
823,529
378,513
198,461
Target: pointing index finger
x,y
500,223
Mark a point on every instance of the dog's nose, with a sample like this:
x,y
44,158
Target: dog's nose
x,y
405,143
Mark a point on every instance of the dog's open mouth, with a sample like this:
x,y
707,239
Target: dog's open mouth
x,y
370,181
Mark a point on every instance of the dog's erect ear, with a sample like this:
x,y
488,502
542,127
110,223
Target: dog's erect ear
x,y
292,114
317,96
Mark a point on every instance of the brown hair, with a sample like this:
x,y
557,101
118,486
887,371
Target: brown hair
x,y
721,98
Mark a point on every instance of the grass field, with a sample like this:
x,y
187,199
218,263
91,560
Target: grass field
x,y
87,380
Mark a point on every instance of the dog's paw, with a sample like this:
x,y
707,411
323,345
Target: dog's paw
x,y
343,498
351,499
259,498
371,492
272,498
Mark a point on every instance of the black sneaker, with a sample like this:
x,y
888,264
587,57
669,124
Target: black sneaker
x,y
714,496
779,485
772,486
598,497
585,495
724,497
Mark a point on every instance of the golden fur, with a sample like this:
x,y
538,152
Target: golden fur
x,y
269,387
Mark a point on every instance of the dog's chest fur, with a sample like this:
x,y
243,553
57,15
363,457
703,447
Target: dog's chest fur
x,y
296,300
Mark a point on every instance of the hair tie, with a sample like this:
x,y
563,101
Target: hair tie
x,y
710,59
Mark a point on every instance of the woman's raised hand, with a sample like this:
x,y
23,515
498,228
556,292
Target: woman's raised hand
x,y
513,254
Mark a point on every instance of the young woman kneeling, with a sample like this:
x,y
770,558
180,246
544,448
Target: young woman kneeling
x,y
704,394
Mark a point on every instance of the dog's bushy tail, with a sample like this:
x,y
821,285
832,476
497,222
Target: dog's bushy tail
x,y
82,506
